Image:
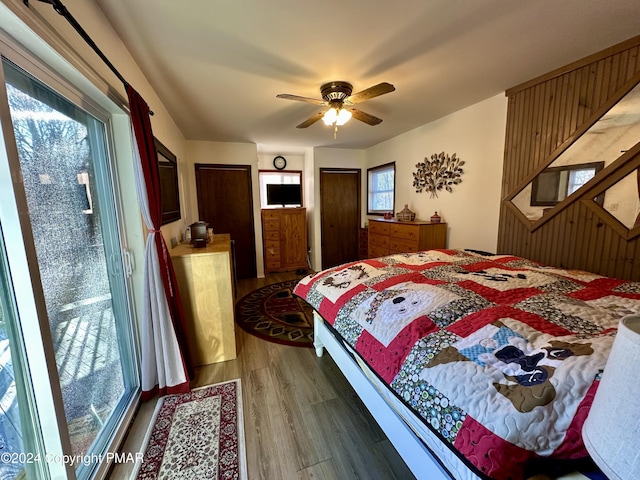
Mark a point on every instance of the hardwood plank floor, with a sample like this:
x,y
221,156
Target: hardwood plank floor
x,y
302,418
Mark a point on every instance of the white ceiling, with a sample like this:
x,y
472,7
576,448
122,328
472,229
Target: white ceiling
x,y
218,65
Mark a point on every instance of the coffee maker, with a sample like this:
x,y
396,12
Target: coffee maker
x,y
198,233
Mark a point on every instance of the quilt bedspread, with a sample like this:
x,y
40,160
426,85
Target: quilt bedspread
x,y
499,355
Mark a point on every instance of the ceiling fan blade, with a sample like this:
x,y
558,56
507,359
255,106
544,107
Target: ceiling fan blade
x,y
364,117
371,92
287,96
311,120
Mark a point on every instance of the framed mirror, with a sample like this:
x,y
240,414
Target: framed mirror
x,y
615,132
168,170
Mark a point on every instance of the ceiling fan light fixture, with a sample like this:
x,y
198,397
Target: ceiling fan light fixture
x,y
330,116
343,117
336,115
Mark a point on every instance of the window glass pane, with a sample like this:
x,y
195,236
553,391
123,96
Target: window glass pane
x,y
381,189
578,178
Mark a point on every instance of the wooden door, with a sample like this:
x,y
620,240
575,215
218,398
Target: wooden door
x,y
225,201
339,215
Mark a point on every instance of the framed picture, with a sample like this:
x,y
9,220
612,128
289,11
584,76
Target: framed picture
x,y
168,170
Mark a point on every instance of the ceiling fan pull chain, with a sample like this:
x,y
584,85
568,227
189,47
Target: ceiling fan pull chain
x,y
335,130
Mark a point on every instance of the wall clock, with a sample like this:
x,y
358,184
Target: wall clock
x,y
279,162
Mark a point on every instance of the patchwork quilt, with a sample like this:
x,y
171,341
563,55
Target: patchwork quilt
x,y
498,355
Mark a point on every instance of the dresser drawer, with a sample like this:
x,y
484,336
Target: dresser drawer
x,y
270,215
271,257
272,236
272,265
375,252
378,227
270,244
272,252
407,232
402,246
271,225
378,240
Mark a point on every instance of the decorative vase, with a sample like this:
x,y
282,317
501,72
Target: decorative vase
x,y
435,218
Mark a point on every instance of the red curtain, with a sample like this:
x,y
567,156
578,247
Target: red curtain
x,y
149,162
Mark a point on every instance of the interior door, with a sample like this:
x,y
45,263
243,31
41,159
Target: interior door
x,y
339,215
225,202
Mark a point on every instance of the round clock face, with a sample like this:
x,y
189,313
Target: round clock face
x,y
279,162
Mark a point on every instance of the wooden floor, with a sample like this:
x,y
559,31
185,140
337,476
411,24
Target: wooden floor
x,y
302,419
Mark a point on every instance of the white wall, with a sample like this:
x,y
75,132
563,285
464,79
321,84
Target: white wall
x,y
295,161
476,134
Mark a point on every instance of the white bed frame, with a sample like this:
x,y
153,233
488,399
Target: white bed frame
x,y
418,458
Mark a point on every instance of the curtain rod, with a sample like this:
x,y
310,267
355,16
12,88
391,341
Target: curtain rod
x,y
62,10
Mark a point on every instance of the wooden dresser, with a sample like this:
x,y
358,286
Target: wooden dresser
x,y
363,247
205,280
387,237
284,237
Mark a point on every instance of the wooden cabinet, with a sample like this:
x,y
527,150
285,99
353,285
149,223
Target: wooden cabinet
x,y
387,237
363,247
284,236
205,281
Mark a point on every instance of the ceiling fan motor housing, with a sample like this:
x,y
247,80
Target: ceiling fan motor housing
x,y
336,91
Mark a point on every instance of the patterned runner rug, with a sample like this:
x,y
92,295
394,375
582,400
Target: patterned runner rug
x,y
197,435
273,313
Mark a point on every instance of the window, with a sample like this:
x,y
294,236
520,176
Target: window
x,y
381,189
287,195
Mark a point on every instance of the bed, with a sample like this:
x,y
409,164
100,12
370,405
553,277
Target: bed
x,y
475,365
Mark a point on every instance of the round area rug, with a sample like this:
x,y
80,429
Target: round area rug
x,y
273,313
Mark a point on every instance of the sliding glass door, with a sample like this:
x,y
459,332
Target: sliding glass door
x,y
70,230
16,405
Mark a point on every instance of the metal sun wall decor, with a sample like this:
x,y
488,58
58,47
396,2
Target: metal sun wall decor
x,y
438,172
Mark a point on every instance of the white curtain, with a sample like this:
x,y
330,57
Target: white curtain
x,y
163,369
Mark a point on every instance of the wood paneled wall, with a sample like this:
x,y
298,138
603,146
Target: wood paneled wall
x,y
544,116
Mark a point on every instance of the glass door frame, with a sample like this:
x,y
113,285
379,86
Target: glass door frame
x,y
28,294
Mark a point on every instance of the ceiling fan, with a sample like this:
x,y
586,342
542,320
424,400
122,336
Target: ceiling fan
x,y
337,96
